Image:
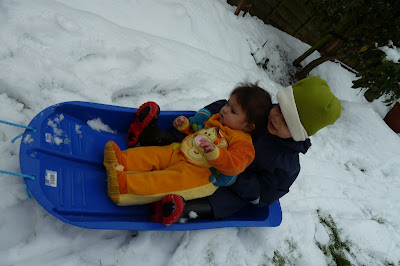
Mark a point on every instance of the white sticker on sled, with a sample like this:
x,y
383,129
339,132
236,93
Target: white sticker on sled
x,y
48,137
51,178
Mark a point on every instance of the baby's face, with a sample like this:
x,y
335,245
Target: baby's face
x,y
233,116
277,125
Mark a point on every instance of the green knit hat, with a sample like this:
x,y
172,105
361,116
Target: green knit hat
x,y
308,106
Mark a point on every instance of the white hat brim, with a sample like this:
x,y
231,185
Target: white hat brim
x,y
289,112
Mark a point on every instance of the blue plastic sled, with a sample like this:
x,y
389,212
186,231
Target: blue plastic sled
x,y
65,155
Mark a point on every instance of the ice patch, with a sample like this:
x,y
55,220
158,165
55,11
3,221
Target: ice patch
x,y
58,136
78,129
54,124
193,215
59,118
28,139
98,125
57,140
183,220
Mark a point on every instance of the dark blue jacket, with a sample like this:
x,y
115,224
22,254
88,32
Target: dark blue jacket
x,y
268,178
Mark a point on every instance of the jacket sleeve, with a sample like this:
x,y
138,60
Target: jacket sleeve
x,y
234,160
247,185
214,108
266,182
275,186
276,182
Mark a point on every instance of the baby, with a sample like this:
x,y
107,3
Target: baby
x,y
145,174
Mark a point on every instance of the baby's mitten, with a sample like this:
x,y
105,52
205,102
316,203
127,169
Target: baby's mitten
x,y
220,180
198,120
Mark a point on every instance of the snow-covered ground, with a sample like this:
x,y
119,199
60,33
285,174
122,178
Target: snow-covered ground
x,y
344,205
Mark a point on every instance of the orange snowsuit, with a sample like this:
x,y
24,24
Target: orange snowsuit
x,y
146,174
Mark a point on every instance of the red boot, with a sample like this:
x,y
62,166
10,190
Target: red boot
x,y
168,210
172,208
146,114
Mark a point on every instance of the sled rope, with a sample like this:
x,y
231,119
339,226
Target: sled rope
x,y
20,175
16,174
17,137
13,140
17,125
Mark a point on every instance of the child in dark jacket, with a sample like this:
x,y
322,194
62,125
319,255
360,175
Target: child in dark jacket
x,y
303,109
143,175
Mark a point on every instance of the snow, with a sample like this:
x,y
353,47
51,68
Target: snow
x,y
193,215
78,130
392,53
184,55
59,136
98,125
28,139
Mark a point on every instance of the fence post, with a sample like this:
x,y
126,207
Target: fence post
x,y
316,46
239,7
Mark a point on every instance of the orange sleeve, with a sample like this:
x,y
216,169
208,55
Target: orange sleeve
x,y
234,160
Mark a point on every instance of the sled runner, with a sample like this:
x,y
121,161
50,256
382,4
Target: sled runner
x,y
65,155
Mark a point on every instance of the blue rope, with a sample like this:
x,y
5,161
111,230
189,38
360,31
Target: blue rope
x,y
13,140
17,125
27,191
16,174
21,175
17,137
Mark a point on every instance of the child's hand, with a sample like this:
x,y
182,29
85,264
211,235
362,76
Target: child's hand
x,y
206,145
179,121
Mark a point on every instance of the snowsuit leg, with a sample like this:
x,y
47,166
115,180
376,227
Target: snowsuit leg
x,y
150,157
150,173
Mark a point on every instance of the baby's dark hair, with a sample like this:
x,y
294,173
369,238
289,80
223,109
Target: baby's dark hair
x,y
255,101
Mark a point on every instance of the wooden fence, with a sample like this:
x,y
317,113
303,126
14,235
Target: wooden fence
x,y
295,17
299,19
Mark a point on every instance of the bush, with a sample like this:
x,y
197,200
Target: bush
x,y
357,24
379,76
